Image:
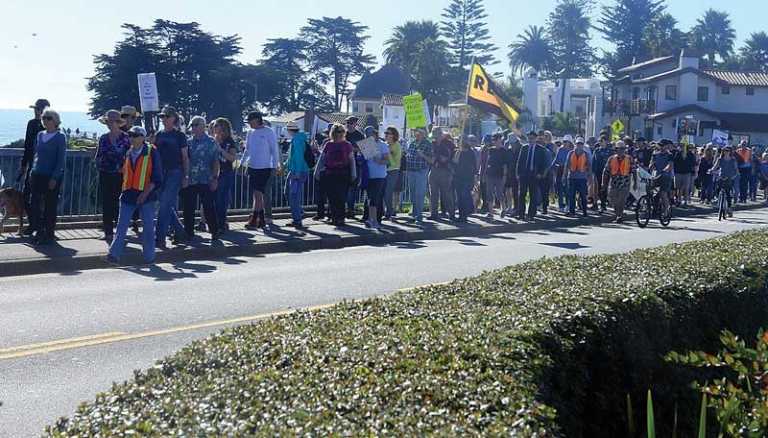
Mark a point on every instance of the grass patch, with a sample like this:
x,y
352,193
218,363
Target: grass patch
x,y
546,348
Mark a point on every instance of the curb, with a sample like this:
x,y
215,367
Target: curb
x,y
79,263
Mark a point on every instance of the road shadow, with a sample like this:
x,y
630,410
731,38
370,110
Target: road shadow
x,y
178,271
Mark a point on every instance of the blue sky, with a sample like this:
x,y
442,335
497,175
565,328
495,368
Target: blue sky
x,y
56,61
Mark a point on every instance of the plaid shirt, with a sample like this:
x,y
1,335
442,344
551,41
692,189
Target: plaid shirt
x,y
413,159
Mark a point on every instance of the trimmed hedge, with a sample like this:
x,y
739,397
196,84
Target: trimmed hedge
x,y
546,348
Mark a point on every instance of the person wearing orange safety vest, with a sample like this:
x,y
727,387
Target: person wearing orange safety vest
x,y
617,175
744,158
142,177
578,167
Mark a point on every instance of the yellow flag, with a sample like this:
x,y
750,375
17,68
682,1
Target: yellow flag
x,y
483,93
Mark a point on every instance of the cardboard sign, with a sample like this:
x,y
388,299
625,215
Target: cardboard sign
x,y
719,138
369,148
414,111
150,101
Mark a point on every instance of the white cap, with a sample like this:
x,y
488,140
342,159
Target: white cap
x,y
568,138
138,130
579,140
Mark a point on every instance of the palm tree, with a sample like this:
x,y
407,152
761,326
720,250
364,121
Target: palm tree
x,y
532,49
401,47
565,123
663,38
754,54
713,35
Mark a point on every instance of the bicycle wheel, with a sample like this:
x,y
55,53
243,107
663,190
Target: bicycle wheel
x,y
643,211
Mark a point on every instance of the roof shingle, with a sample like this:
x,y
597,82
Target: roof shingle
x,y
743,79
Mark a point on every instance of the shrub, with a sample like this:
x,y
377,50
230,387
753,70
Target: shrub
x,y
546,348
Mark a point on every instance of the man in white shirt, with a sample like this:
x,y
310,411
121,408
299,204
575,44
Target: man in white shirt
x,y
262,156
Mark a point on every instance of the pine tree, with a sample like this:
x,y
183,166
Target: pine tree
x,y
464,26
624,23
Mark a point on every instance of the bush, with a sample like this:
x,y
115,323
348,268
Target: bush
x,y
546,348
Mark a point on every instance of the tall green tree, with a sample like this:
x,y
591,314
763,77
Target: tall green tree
x,y
401,47
663,38
336,52
466,29
532,49
568,28
624,23
288,60
754,53
713,35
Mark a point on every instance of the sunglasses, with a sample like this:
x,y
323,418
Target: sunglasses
x,y
48,118
133,135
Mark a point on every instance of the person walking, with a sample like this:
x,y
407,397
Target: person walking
x,y
599,159
298,172
684,163
512,186
321,199
744,156
172,147
559,167
577,171
465,163
496,170
441,175
130,115
204,168
531,166
706,181
419,157
110,157
34,127
142,177
263,157
546,180
377,179
229,148
336,169
616,176
46,177
354,136
392,137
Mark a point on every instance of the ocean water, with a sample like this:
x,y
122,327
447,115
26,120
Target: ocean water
x,y
13,124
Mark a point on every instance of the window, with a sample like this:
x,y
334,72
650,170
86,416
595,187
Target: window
x,y
355,108
726,89
368,107
660,130
750,91
635,93
670,92
703,94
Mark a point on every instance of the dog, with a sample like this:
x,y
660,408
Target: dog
x,y
11,205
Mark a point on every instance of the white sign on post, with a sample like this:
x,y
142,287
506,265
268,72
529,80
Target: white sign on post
x,y
150,101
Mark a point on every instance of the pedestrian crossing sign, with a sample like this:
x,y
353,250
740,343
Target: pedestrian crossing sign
x,y
617,128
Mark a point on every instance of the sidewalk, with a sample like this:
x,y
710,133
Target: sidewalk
x,y
81,249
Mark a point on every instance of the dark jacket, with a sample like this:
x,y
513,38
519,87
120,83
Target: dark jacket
x,y
34,127
540,163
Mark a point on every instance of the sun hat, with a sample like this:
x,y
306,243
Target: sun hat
x,y
169,111
137,131
292,126
130,110
112,116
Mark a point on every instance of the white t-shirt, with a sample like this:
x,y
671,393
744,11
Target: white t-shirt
x,y
261,149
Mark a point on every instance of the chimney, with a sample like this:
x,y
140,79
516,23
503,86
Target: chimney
x,y
689,59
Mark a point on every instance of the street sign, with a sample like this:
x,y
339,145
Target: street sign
x,y
150,101
414,111
617,129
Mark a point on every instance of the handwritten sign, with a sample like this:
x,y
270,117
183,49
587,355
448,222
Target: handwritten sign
x,y
414,111
150,101
369,148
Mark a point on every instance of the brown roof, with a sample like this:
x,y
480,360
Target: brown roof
x,y
743,79
648,63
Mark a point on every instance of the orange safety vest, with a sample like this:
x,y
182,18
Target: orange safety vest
x,y
578,162
620,167
745,154
136,177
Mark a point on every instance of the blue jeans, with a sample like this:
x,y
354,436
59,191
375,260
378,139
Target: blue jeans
x,y
294,191
562,191
223,196
147,211
577,185
389,190
169,198
417,184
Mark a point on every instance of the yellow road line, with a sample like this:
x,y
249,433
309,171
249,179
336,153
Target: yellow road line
x,y
113,337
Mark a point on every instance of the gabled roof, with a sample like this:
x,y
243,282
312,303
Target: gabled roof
x,y
387,80
287,117
677,72
341,117
740,79
638,66
683,109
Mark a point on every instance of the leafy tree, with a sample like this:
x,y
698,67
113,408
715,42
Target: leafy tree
x,y
288,60
565,123
532,49
335,51
624,23
713,35
464,25
663,38
754,53
401,47
568,27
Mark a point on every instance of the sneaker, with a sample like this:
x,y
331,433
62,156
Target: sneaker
x,y
111,260
135,228
318,217
28,232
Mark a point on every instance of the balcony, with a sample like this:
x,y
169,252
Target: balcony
x,y
625,107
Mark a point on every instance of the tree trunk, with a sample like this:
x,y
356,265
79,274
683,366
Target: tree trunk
x,y
562,94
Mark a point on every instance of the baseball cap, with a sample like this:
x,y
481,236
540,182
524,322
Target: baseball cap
x,y
137,131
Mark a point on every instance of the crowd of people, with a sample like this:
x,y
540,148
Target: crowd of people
x,y
147,175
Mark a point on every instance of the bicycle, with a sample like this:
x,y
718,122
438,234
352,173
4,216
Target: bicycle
x,y
724,189
650,204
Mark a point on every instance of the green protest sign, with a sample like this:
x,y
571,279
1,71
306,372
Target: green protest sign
x,y
414,111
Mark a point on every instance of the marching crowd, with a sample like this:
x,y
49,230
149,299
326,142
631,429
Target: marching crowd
x,y
145,175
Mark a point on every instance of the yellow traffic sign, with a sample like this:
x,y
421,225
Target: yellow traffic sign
x,y
617,129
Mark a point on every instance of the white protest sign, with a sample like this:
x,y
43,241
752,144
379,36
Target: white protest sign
x,y
719,138
150,101
369,147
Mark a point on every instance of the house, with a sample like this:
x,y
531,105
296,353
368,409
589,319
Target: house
x,y
372,87
672,96
583,99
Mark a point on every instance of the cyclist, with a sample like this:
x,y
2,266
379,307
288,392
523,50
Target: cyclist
x,y
728,169
661,165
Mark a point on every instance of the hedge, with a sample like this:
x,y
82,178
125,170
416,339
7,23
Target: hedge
x,y
546,348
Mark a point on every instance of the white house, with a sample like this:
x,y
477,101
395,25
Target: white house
x,y
659,97
583,99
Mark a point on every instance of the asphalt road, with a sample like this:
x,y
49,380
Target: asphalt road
x,y
65,338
